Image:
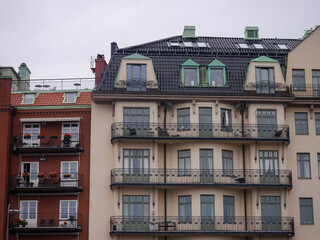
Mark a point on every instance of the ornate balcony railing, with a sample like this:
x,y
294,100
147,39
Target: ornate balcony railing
x,y
48,142
235,177
47,182
305,90
200,131
50,223
196,225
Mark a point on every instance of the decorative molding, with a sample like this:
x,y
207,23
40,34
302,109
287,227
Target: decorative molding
x,y
251,86
280,87
152,84
194,107
311,111
121,84
217,107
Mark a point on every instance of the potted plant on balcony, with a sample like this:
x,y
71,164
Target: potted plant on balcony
x,y
25,175
66,139
53,136
41,136
67,175
40,175
27,136
31,184
20,222
53,174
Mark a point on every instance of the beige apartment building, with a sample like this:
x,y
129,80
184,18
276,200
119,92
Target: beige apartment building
x,y
207,138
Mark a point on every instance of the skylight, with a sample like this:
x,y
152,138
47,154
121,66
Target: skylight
x,y
258,46
243,45
202,44
188,44
174,44
282,46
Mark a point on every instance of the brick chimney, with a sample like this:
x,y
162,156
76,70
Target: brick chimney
x,y
100,66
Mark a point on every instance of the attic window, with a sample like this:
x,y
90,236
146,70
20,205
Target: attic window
x,y
174,44
28,98
258,46
70,97
202,44
188,44
243,45
282,46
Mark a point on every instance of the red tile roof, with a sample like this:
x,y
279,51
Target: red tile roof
x,y
51,99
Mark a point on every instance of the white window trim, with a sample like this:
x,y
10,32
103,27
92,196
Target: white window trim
x,y
35,95
62,132
62,175
76,95
60,212
31,141
20,207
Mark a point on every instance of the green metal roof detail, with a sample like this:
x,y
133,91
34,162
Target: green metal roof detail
x,y
189,32
136,56
263,59
251,33
190,62
216,63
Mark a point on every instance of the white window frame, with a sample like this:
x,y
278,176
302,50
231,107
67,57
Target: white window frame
x,y
24,98
74,141
65,97
35,179
32,223
69,181
67,220
34,140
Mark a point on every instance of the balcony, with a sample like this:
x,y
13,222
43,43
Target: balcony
x,y
202,225
48,143
174,131
222,178
47,183
46,224
305,91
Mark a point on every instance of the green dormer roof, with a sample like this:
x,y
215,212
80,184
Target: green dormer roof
x,y
189,63
216,63
136,56
189,32
263,59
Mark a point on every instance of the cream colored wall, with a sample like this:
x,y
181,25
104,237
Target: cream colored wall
x,y
253,113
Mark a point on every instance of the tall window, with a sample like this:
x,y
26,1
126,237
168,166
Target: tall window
x,y
316,83
183,119
265,80
136,77
298,80
184,162
267,123
227,162
73,130
216,77
228,209
32,129
317,119
301,122
68,209
69,173
304,170
226,119
318,165
136,165
185,209
306,210
28,211
136,121
136,206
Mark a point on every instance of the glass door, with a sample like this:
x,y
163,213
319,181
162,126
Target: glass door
x,y
69,174
136,165
267,123
269,167
30,135
28,212
271,213
206,166
205,122
136,121
29,172
316,83
207,213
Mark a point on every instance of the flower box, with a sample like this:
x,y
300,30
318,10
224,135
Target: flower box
x,y
40,175
53,136
53,174
27,136
41,136
26,174
67,175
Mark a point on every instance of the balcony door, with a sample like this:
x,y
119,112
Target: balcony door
x,y
136,122
30,135
136,212
269,167
267,123
73,130
205,122
69,174
207,213
271,213
136,165
316,83
206,166
265,80
29,173
28,211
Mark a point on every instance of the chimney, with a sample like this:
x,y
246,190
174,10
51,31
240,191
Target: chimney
x,y
114,48
251,33
5,91
24,74
189,32
100,66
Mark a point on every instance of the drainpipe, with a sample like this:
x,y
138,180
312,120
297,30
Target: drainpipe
x,y
165,168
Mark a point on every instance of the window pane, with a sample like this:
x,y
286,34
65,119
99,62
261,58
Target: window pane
x,y
304,170
298,80
301,123
216,77
190,77
306,211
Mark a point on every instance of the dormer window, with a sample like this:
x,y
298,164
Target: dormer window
x,y
282,46
216,74
190,73
70,97
136,77
265,79
28,98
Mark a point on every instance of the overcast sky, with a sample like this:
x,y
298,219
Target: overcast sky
x,y
56,38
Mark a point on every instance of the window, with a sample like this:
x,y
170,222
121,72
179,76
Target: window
x,y
202,44
258,46
301,122
136,77
30,134
265,80
207,212
184,162
174,44
267,123
136,121
70,97
226,119
188,44
216,74
243,45
205,122
73,130
69,174
298,80
136,165
28,211
185,209
304,170
228,209
318,165
282,46
68,209
317,119
306,210
136,206
190,73
316,83
183,119
28,98
227,162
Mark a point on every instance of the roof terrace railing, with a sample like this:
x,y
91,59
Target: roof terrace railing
x,y
200,131
232,177
305,90
207,224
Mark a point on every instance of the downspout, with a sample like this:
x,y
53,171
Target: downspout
x,y
165,167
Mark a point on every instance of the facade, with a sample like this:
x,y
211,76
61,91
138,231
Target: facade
x,y
49,162
207,138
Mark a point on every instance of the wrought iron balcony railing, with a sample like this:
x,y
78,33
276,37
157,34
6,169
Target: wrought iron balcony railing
x,y
48,142
235,131
45,222
235,177
207,224
47,182
305,90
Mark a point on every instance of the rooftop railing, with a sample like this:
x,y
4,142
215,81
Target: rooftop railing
x,y
196,225
305,90
35,182
232,177
200,131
